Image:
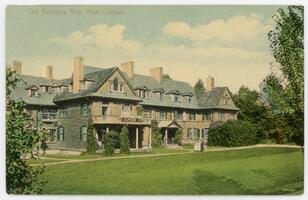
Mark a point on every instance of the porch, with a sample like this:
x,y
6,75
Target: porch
x,y
168,130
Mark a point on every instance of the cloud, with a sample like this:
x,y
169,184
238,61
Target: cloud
x,y
100,35
236,30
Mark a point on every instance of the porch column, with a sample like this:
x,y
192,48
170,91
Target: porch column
x,y
107,129
166,136
137,139
150,138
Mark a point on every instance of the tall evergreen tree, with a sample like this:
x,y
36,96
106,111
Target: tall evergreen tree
x,y
124,141
91,140
199,88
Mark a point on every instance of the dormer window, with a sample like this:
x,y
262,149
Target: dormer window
x,y
142,92
32,91
117,86
161,96
45,88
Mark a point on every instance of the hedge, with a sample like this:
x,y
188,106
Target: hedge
x,y
232,134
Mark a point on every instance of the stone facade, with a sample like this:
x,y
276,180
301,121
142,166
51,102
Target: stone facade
x,y
111,99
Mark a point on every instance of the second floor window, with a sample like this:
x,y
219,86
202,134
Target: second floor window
x,y
178,115
49,114
163,115
207,116
62,112
127,107
192,117
84,110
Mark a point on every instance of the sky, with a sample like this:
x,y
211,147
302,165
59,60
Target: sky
x,y
228,43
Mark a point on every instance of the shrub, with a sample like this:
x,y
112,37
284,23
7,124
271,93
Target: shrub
x,y
178,137
233,133
109,140
124,141
91,140
156,134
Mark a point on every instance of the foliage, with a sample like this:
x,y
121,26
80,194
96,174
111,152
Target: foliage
x,y
109,142
156,134
139,110
286,92
178,137
166,76
22,139
124,141
269,125
233,133
91,140
199,88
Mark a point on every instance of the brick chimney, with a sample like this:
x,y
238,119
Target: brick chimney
x,y
209,83
17,66
128,68
78,73
157,73
47,73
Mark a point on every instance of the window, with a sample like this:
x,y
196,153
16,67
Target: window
x,y
206,133
83,133
104,110
45,88
176,98
127,107
61,133
190,132
192,116
189,99
221,116
226,100
52,135
178,115
162,115
49,114
207,115
62,112
84,109
33,92
146,113
161,96
115,84
196,133
121,87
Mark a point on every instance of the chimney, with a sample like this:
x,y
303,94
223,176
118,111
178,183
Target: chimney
x,y
209,83
78,73
17,67
157,73
128,68
47,73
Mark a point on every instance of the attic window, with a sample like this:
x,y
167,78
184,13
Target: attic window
x,y
226,100
33,92
117,86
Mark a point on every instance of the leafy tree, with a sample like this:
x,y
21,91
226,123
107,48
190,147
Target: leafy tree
x,y
109,142
178,137
124,141
253,109
22,139
199,88
91,140
286,92
156,134
233,133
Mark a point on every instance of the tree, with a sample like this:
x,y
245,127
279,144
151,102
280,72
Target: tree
x,y
156,134
91,140
109,142
178,137
124,141
286,92
22,139
199,88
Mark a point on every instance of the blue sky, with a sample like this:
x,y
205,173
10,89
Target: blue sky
x,y
190,42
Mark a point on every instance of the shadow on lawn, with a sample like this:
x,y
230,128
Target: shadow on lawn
x,y
208,183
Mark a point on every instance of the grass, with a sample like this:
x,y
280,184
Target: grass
x,y
247,171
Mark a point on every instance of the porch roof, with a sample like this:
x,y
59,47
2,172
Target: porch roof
x,y
169,124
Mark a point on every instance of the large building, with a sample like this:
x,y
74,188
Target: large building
x,y
114,97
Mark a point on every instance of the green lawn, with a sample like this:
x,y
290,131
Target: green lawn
x,y
247,171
